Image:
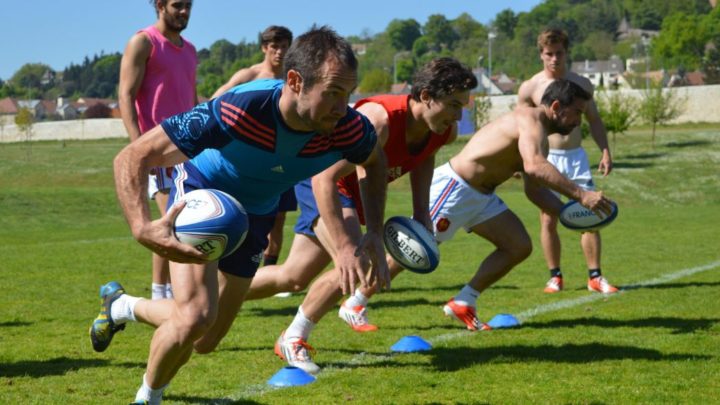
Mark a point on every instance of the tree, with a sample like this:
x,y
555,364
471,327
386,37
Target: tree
x,y
375,81
617,112
505,23
660,107
24,122
681,41
440,32
403,33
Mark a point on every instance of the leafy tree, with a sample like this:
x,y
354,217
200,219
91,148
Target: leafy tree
x,y
440,32
403,33
375,81
24,122
467,27
658,107
617,112
681,41
505,23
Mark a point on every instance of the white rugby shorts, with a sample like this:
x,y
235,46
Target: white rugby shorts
x,y
161,181
573,164
455,204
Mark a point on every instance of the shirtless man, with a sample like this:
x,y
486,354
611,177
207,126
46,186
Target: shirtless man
x,y
568,156
274,42
462,192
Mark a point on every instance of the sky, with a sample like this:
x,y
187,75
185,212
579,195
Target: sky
x,y
58,33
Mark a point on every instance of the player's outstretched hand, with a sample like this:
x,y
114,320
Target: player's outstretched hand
x,y
379,273
596,202
352,267
159,237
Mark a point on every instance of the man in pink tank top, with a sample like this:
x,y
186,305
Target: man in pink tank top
x,y
157,81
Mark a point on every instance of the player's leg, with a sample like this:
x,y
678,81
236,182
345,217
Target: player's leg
x,y
159,190
591,246
512,246
275,240
232,289
322,296
354,311
550,241
195,307
306,259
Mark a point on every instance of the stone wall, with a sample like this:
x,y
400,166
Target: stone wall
x,y
702,105
72,129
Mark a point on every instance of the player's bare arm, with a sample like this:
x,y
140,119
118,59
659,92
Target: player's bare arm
x,y
420,181
599,134
531,135
132,72
372,181
241,76
131,167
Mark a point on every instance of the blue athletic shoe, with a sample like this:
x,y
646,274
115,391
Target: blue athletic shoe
x,y
103,328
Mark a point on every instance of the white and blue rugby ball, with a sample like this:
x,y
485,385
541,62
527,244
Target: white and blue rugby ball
x,y
212,221
411,244
578,218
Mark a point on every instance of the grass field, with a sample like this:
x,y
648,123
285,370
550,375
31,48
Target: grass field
x,y
658,341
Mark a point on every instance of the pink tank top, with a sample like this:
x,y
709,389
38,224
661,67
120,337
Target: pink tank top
x,y
168,87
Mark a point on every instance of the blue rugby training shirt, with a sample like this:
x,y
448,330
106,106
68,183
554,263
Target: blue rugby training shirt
x,y
239,143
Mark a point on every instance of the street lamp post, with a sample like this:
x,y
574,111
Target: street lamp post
x,y
395,59
480,72
646,46
491,36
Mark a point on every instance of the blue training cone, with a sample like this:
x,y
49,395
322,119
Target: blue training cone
x,y
290,376
409,344
503,321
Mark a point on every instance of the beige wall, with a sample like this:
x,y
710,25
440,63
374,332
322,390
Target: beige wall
x,y
703,103
73,129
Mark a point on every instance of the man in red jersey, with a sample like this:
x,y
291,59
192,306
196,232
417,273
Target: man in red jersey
x,y
411,129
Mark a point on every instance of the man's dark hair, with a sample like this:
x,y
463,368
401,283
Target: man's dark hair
x,y
308,53
441,77
276,33
564,91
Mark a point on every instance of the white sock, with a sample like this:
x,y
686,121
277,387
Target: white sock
x,y
123,309
357,299
145,393
168,291
158,291
300,327
467,296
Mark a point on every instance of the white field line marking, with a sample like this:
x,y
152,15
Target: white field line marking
x,y
366,359
67,242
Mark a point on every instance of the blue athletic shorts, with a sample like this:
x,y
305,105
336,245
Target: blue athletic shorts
x,y
245,260
308,207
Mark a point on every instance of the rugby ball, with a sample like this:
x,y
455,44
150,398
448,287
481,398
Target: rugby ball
x,y
411,244
212,221
578,218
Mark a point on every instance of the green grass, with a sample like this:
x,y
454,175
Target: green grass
x,y
62,235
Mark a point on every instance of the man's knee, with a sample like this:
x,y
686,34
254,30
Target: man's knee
x,y
194,321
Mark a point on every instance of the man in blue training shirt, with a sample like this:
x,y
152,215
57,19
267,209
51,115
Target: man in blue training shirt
x,y
253,142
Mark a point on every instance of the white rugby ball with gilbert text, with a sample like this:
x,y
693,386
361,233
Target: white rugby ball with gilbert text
x,y
411,244
578,218
212,221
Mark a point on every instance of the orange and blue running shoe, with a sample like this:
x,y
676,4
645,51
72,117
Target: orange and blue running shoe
x,y
465,314
103,328
356,317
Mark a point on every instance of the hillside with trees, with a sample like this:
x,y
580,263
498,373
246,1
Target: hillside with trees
x,y
688,40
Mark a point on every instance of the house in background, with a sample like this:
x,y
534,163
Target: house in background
x,y
603,73
8,111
